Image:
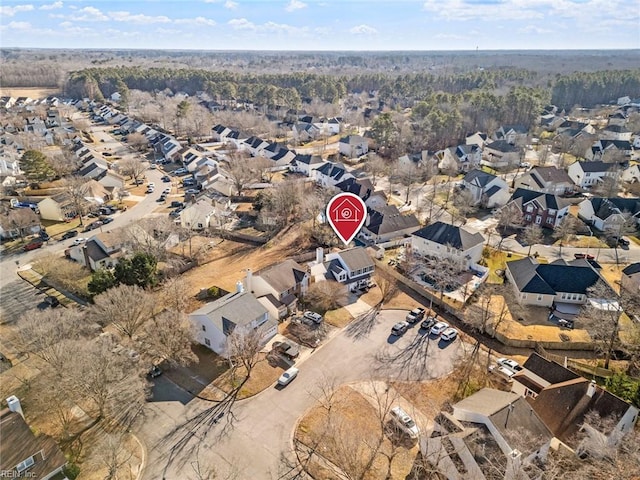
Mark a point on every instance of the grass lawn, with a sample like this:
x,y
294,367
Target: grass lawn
x,y
338,318
58,228
262,376
497,260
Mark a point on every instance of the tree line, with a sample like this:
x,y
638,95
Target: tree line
x,y
589,89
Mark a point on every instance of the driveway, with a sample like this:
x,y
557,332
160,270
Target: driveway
x,y
264,424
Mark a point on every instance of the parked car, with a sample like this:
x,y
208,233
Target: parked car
x,y
415,315
44,235
166,191
622,241
399,328
287,349
192,191
52,301
176,204
174,213
438,328
93,226
106,211
501,371
79,240
313,316
139,181
106,220
428,323
449,334
70,234
33,244
166,179
566,323
181,171
510,364
584,255
155,371
151,184
161,199
149,190
288,376
404,422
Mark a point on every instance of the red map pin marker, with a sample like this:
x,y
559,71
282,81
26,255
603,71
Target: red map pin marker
x,y
346,214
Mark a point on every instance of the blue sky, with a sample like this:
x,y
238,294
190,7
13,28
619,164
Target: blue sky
x,y
322,24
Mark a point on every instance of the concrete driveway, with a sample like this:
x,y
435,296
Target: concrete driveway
x,y
264,424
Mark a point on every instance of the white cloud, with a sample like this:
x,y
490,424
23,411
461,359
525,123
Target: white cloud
x,y
241,24
230,4
139,18
534,29
52,6
18,26
89,14
11,11
196,21
363,30
295,5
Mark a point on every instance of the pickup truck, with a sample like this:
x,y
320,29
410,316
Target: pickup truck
x,y
415,315
287,349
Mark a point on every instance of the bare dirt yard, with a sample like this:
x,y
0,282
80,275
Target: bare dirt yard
x,y
31,92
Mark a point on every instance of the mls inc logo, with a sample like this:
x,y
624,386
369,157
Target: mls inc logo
x,y
346,214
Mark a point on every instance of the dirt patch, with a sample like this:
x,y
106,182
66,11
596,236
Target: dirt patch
x,y
31,92
612,274
338,318
262,376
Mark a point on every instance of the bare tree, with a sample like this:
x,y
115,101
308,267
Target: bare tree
x,y
565,231
168,336
20,220
138,141
176,293
241,170
126,307
377,167
406,174
112,454
509,217
152,235
326,295
76,189
602,319
132,167
532,235
463,201
62,273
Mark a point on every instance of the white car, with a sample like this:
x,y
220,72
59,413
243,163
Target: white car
x,y
501,371
449,334
438,328
313,316
288,376
79,240
510,364
404,422
166,191
151,185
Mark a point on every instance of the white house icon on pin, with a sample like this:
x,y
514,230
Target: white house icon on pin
x,y
346,211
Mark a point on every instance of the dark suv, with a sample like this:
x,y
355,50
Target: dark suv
x,y
70,234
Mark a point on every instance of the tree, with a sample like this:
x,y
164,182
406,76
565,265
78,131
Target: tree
x,y
126,307
138,270
20,220
241,170
132,167
168,336
384,131
509,217
111,454
565,231
76,189
243,350
138,141
376,166
36,166
406,174
532,235
101,280
327,295
602,319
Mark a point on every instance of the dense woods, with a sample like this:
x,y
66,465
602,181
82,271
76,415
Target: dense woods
x,y
590,89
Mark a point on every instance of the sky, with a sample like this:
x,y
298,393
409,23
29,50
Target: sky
x,y
321,24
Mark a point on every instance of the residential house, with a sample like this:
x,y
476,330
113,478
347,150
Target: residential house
x,y
353,146
386,223
609,213
111,180
477,138
616,132
305,132
512,134
418,159
547,180
543,209
188,155
237,312
587,174
22,453
443,240
615,150
199,215
103,250
486,189
330,174
254,145
219,132
9,167
59,207
618,118
365,190
467,157
630,174
283,158
550,121
352,267
558,284
279,286
562,400
500,154
306,164
577,126
631,278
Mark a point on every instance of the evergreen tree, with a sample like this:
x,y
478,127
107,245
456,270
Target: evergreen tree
x,y
36,166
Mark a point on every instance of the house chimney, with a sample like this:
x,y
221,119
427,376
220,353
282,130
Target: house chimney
x,y
85,254
239,287
591,390
514,466
248,280
14,405
319,255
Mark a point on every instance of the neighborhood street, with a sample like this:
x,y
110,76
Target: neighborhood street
x,y
264,424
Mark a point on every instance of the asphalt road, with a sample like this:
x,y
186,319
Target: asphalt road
x,y
252,447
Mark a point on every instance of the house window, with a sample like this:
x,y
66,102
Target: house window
x,y
574,296
23,465
539,298
538,220
527,218
529,208
204,328
550,221
207,342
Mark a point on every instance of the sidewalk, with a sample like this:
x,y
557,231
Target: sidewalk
x,y
34,278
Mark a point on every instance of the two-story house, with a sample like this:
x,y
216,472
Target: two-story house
x,y
22,453
353,146
330,174
609,213
199,215
546,285
365,190
500,154
546,179
630,279
443,240
477,138
486,189
279,286
612,150
353,267
238,312
306,164
543,209
587,174
512,134
100,251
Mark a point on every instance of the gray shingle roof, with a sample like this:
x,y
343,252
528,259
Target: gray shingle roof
x,y
356,258
389,219
234,308
632,269
282,276
478,177
446,234
546,200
